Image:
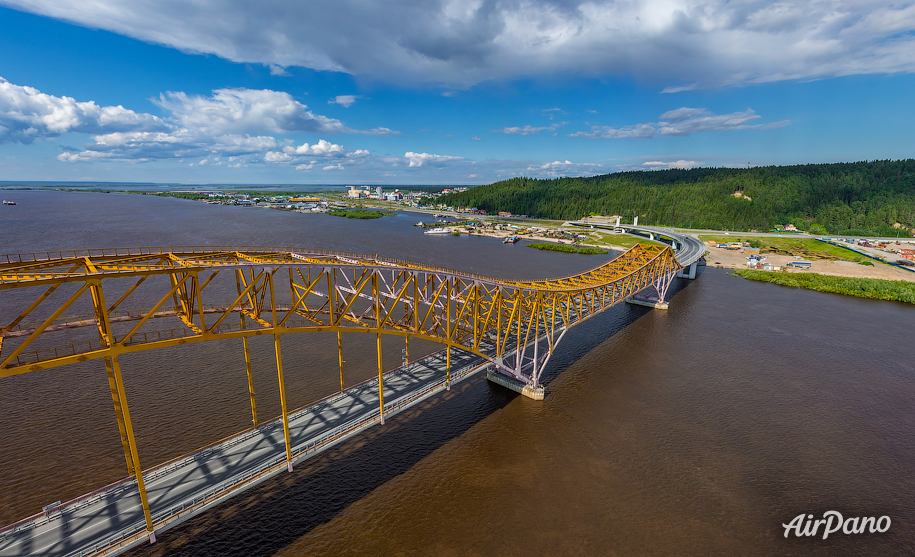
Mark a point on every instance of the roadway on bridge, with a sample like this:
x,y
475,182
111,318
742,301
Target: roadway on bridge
x,y
689,248
89,525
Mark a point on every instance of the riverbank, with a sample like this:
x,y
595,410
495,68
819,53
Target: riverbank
x,y
566,248
878,289
823,261
586,240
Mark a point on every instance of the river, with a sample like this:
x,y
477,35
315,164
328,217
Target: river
x,y
697,430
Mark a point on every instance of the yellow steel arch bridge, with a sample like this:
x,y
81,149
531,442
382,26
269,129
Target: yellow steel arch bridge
x,y
59,308
285,290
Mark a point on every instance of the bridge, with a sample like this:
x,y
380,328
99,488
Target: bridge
x,y
182,295
689,250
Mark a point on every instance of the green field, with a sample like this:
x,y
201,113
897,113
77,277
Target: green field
x,y
620,240
808,248
550,246
357,214
891,290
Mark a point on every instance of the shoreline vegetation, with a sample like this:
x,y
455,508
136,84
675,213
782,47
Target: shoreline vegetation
x,y
549,246
872,198
358,213
808,248
877,289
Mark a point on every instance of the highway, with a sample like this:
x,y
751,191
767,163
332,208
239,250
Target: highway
x,y
111,520
689,248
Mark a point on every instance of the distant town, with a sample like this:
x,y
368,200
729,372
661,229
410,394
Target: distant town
x,y
329,201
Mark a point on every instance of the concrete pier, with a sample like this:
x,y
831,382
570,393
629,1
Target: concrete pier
x,y
535,393
654,304
688,272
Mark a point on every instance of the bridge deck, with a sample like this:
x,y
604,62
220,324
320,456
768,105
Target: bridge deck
x,y
112,520
691,247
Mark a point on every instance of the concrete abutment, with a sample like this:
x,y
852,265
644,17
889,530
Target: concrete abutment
x,y
535,393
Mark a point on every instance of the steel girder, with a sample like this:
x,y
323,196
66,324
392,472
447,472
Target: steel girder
x,y
286,290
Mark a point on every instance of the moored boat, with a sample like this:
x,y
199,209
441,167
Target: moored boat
x,y
437,231
512,240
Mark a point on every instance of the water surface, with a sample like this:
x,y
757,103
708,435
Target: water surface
x,y
698,430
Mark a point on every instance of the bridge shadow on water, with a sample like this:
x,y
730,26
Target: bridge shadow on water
x,y
271,516
589,335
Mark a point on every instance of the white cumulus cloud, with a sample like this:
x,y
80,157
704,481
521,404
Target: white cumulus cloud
x,y
683,121
564,168
527,130
27,114
231,122
345,101
657,165
245,110
305,154
421,159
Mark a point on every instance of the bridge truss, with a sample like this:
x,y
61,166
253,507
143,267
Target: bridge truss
x,y
197,294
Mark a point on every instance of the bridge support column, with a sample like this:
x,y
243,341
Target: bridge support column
x,y
279,374
244,341
132,442
340,357
120,415
535,393
688,272
113,366
380,380
659,300
448,329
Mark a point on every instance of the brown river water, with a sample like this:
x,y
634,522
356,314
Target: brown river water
x,y
694,431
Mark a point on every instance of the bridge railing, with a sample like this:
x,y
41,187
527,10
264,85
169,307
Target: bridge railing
x,y
50,256
270,465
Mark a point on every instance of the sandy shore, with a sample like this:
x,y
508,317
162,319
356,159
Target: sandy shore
x,y
734,259
502,234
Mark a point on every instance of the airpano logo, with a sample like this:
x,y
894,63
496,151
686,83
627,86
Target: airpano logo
x,y
832,522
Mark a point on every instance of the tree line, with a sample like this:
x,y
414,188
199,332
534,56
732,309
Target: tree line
x,y
861,198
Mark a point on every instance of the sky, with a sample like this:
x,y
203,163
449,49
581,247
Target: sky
x,y
445,92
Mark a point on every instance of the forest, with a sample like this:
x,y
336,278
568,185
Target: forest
x,y
871,198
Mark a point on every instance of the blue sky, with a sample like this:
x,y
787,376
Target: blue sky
x,y
449,92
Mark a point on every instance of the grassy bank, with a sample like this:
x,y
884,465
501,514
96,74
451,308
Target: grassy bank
x,y
549,246
357,214
620,240
808,248
892,290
